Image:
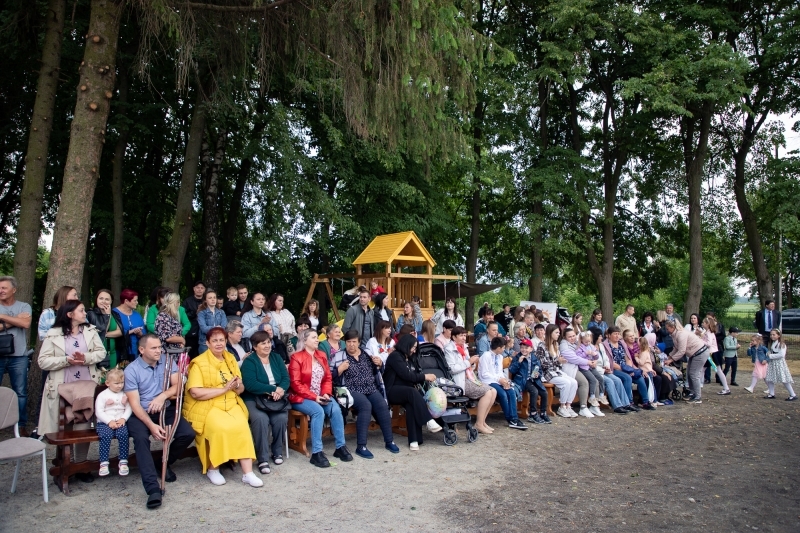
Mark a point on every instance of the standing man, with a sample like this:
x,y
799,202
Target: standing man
x,y
768,319
191,304
669,309
359,317
626,321
15,319
144,381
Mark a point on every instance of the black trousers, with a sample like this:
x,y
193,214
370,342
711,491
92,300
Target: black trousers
x,y
416,411
367,407
732,363
535,391
184,435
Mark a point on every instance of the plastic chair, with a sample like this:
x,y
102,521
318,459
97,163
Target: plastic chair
x,y
19,448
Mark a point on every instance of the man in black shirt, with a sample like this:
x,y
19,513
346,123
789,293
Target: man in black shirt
x,y
191,304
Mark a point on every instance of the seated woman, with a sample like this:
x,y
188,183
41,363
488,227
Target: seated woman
x,y
401,376
209,316
622,366
167,323
277,344
615,390
463,368
217,413
265,375
428,332
411,315
333,341
70,352
381,344
550,358
597,322
361,374
311,388
302,325
490,371
234,330
282,318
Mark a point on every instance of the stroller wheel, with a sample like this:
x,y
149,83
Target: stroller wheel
x,y
472,434
450,437
676,395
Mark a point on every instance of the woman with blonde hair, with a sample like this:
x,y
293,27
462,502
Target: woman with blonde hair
x,y
428,331
168,325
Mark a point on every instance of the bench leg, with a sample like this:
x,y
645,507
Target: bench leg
x,y
66,460
298,432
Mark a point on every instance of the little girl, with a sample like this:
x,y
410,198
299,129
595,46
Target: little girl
x,y
588,351
777,370
707,333
113,410
644,360
758,355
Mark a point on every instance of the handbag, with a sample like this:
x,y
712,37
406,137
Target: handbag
x,y
631,370
6,342
268,405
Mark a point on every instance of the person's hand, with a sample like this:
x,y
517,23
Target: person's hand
x,y
561,360
156,404
474,360
157,431
278,394
344,366
267,318
430,377
616,366
592,364
376,360
112,424
74,362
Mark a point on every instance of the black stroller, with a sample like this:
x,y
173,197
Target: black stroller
x,y
431,360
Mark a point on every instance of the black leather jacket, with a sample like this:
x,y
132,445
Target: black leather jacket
x,y
100,320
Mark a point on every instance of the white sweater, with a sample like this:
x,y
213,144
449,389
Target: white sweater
x,y
111,405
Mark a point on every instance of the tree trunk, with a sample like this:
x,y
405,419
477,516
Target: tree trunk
x,y
695,159
537,267
87,136
211,214
30,210
173,255
116,192
475,217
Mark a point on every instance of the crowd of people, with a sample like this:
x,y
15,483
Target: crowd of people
x,y
252,361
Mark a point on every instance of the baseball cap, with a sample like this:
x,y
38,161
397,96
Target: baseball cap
x,y
526,342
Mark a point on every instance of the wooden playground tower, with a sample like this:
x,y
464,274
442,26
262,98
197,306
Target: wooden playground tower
x,y
396,252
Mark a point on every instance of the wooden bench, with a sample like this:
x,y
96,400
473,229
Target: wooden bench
x,y
298,430
66,437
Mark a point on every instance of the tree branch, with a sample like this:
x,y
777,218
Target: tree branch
x,y
237,9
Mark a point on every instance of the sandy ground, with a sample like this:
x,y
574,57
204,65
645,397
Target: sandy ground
x,y
730,464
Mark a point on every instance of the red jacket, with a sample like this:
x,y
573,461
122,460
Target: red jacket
x,y
300,376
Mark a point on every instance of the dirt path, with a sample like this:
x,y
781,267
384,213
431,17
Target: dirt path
x,y
736,457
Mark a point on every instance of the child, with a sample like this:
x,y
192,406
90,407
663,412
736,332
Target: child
x,y
525,370
730,348
113,410
645,362
588,351
707,333
490,372
777,370
375,289
231,306
758,354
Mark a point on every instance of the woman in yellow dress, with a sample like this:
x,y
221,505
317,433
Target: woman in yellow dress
x,y
217,413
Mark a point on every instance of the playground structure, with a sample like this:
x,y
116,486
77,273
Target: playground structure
x,y
398,255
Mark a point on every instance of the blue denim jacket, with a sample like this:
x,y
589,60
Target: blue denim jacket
x,y
758,352
522,371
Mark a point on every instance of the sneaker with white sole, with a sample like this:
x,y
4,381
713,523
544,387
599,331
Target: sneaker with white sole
x,y
562,411
215,477
517,424
414,446
103,469
602,399
748,389
433,427
593,402
572,413
123,468
585,412
251,479
596,411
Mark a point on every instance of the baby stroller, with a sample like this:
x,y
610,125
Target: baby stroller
x,y
682,389
431,360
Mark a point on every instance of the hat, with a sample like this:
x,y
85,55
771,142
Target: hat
x,y
734,329
198,282
526,342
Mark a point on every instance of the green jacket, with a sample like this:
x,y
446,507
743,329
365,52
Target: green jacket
x,y
152,313
255,377
729,346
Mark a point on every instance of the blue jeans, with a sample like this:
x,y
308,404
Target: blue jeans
x,y
615,391
507,399
17,368
317,414
626,382
641,386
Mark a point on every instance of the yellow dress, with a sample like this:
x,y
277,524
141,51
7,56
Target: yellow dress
x,y
225,433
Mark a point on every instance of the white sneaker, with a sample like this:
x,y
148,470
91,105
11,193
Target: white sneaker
x,y
562,411
215,477
585,412
252,480
414,446
593,402
433,427
596,411
602,399
748,389
572,414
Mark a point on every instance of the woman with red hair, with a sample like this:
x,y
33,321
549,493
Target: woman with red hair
x,y
131,322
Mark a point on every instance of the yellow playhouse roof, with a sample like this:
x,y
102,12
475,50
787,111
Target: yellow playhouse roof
x,y
396,248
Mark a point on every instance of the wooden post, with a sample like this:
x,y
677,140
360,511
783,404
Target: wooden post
x,y
429,295
389,283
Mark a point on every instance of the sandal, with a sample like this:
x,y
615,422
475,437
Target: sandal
x,y
277,459
263,468
123,468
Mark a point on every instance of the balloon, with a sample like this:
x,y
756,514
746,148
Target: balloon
x,y
436,400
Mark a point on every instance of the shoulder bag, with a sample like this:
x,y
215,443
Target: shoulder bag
x,y
264,402
6,342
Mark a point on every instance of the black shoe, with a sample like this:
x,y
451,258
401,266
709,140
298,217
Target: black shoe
x,y
88,478
319,459
791,398
154,500
171,477
734,384
633,408
768,397
517,424
535,419
343,453
545,418
621,411
648,407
